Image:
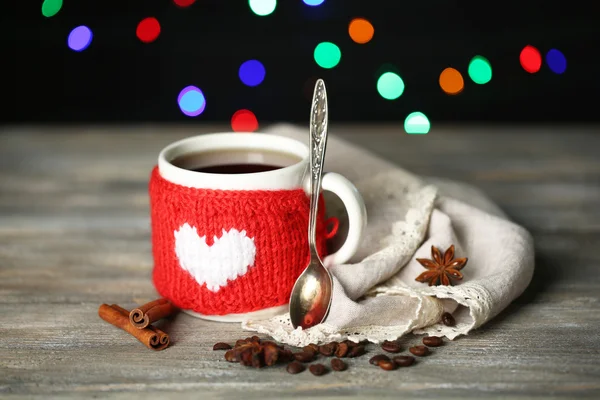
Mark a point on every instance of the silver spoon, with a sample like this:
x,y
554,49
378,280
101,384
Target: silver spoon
x,y
311,295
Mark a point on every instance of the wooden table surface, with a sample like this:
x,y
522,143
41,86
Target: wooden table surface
x,y
74,233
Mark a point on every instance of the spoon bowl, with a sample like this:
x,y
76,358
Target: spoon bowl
x,y
311,295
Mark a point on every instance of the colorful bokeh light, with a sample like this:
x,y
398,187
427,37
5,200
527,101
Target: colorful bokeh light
x,y
327,55
417,124
313,3
191,101
252,73
451,81
262,7
390,86
244,121
361,31
184,3
556,61
480,70
148,30
80,38
51,7
530,59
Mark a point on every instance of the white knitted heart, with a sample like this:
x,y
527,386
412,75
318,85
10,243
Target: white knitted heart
x,y
227,259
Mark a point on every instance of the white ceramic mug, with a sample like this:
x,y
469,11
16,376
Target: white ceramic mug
x,y
292,177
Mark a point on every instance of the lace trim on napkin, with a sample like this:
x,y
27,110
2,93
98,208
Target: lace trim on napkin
x,y
426,321
281,329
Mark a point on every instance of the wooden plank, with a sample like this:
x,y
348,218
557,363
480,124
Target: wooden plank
x,y
74,233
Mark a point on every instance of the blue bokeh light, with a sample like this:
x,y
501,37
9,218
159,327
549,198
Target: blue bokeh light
x,y
556,61
80,38
313,3
191,101
252,73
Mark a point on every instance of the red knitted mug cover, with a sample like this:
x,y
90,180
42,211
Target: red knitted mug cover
x,y
220,252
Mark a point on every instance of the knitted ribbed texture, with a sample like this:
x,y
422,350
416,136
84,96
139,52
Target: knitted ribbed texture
x,y
276,222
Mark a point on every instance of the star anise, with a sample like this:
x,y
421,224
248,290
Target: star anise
x,y
442,267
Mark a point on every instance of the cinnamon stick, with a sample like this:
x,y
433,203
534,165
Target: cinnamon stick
x,y
152,337
163,338
151,312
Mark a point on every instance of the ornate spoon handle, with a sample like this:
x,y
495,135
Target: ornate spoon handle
x,y
317,144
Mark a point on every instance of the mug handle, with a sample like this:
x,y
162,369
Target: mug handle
x,y
357,216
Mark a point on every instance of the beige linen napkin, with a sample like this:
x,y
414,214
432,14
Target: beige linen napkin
x,y
376,296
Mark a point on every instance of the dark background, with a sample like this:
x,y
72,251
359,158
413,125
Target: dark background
x,y
120,79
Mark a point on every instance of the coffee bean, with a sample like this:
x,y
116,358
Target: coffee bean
x,y
356,351
237,351
310,350
240,342
245,357
285,355
328,349
257,358
230,356
304,356
221,346
317,369
350,343
271,354
295,367
391,346
404,361
271,343
379,357
338,365
432,341
448,319
252,339
241,348
342,350
419,350
314,347
387,365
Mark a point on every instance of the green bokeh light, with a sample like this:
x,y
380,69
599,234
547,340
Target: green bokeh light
x,y
327,55
390,86
51,7
480,70
417,124
262,7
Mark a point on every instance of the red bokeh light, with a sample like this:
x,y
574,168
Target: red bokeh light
x,y
244,121
184,3
148,30
531,59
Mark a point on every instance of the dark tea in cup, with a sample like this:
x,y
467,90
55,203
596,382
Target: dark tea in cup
x,y
234,161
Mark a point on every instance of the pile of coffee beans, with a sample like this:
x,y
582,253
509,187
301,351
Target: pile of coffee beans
x,y
253,352
390,363
258,353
